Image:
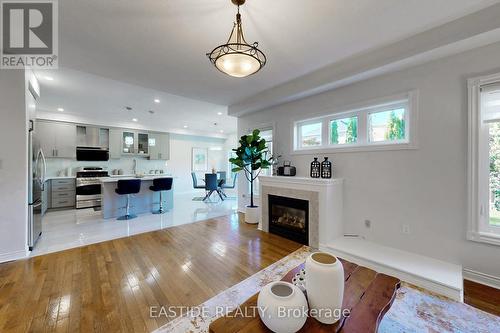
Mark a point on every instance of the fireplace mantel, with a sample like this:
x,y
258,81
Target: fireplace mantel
x,y
325,204
306,181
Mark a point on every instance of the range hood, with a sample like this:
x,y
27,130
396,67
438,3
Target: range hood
x,y
91,136
92,143
92,154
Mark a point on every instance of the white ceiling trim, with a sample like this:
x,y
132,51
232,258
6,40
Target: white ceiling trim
x,y
471,31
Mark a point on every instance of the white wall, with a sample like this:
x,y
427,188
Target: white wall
x,y
426,187
180,157
13,165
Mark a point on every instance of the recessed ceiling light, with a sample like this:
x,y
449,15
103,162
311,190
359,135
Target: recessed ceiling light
x,y
157,100
222,131
219,113
60,109
49,78
185,126
134,119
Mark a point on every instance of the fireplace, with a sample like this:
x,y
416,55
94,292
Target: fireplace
x,y
289,217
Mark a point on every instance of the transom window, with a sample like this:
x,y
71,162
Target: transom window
x,y
310,134
344,131
385,124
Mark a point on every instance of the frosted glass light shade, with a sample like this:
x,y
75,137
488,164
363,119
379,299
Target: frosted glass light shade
x,y
238,64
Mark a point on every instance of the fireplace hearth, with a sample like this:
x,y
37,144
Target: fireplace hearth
x,y
289,218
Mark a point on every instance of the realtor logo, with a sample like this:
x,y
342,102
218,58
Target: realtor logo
x,y
29,34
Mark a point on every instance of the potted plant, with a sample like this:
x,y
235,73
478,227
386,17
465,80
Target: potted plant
x,y
251,158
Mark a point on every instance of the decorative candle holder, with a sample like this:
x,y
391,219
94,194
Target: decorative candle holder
x,y
326,168
315,168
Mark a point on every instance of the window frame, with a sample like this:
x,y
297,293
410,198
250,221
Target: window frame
x,y
478,227
339,117
261,127
362,110
310,122
395,106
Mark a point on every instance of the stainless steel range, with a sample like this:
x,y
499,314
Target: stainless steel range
x,y
88,186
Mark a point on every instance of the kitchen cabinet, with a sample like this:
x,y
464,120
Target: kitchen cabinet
x,y
143,143
159,146
135,143
115,143
128,142
57,139
63,193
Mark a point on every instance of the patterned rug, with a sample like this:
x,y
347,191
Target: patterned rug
x,y
414,309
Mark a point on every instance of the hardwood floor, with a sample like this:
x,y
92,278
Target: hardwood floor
x,y
110,286
482,297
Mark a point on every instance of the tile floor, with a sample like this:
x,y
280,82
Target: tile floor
x,y
65,229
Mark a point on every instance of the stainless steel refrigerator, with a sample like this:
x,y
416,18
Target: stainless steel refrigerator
x,y
37,170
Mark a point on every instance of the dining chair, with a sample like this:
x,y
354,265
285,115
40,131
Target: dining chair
x,y
212,185
233,184
195,182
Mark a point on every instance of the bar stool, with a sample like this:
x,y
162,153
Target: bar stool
x,y
128,187
160,185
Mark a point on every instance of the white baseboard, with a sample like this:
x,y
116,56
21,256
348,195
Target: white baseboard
x,y
10,256
486,279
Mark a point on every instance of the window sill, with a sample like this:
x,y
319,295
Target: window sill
x,y
484,237
353,148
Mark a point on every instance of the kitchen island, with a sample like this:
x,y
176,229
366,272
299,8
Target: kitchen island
x,y
146,201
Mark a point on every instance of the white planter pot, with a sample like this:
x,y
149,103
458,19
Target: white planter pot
x,y
252,215
325,286
282,307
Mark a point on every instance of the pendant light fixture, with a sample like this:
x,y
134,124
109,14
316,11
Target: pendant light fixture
x,y
237,58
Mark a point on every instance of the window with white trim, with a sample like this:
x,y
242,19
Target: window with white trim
x,y
386,124
310,134
484,159
266,134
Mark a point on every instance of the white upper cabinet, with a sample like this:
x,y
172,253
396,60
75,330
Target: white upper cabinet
x,y
159,146
115,143
57,139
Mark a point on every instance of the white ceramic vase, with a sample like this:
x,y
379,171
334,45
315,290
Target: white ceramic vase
x,y
325,286
282,307
252,215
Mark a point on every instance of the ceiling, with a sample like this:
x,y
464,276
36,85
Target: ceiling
x,y
88,98
161,45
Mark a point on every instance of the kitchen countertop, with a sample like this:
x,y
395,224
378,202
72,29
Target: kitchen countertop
x,y
60,177
145,178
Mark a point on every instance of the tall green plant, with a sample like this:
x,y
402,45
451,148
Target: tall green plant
x,y
251,158
395,128
352,130
334,132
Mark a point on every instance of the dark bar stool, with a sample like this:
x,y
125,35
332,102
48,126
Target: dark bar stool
x,y
160,185
128,187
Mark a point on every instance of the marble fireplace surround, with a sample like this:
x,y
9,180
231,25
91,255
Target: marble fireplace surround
x,y
325,204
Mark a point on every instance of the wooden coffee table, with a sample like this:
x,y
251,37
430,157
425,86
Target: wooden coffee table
x,y
367,294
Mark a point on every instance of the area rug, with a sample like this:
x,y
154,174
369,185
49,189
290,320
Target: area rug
x,y
414,309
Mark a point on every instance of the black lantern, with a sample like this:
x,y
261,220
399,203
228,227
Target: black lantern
x,y
315,168
326,168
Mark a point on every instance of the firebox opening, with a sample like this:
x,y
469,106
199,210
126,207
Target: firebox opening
x,y
289,218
